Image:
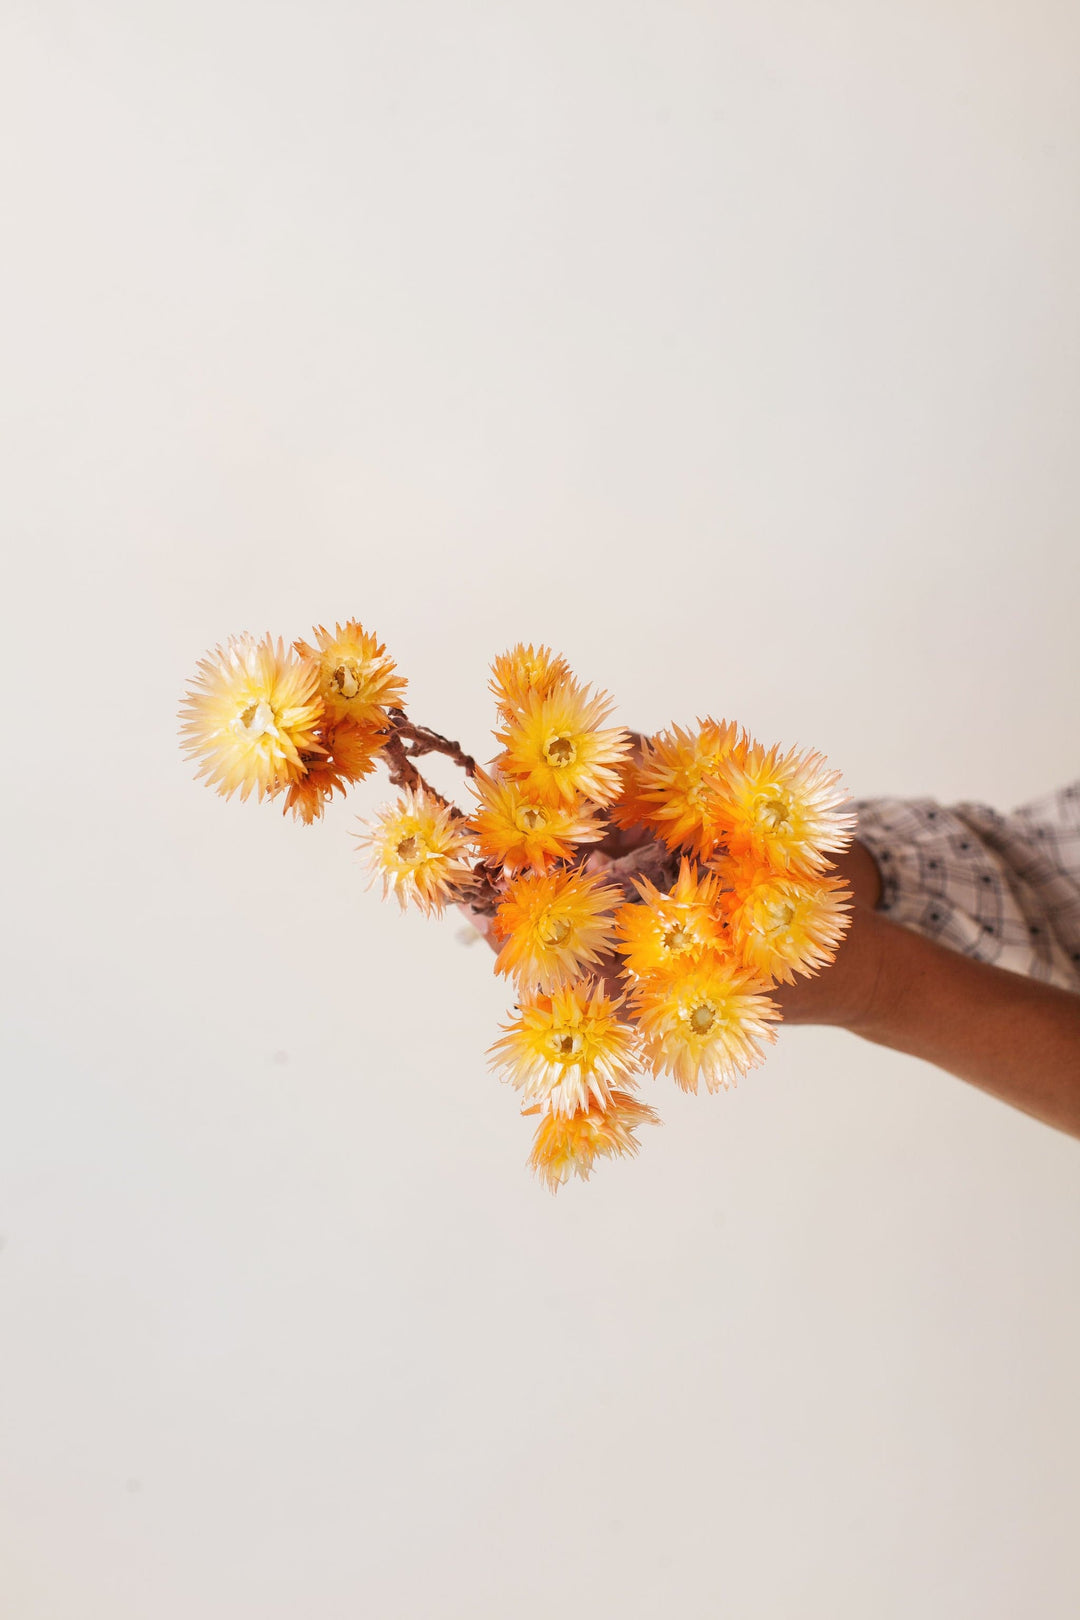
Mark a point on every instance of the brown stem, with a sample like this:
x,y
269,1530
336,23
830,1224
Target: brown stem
x,y
403,773
422,740
650,859
484,896
426,741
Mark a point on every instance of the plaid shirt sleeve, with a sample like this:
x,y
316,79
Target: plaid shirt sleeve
x,y
1003,888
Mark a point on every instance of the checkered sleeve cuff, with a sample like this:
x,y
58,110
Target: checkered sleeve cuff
x,y
991,886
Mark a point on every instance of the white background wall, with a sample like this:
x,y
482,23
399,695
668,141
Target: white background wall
x,y
734,350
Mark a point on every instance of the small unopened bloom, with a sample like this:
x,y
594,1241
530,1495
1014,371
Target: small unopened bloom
x,y
567,1145
349,751
524,671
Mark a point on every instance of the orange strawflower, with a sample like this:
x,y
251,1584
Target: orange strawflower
x,y
354,747
516,830
668,933
421,852
706,1024
781,925
251,716
568,1048
357,678
556,747
784,810
524,670
567,1145
351,751
555,927
671,789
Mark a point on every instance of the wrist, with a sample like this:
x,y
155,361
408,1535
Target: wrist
x,y
852,992
876,974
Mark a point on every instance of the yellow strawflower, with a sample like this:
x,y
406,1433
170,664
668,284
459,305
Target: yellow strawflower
x,y
670,788
706,1024
555,927
780,925
567,1145
251,715
784,810
557,748
357,678
667,933
566,1048
516,830
421,852
524,670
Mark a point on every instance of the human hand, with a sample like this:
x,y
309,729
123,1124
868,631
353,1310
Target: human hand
x,y
846,991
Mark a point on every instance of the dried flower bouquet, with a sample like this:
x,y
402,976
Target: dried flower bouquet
x,y
644,894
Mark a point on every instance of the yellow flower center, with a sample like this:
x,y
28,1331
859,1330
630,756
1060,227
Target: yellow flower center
x,y
408,849
702,1017
345,679
553,929
566,1044
258,719
560,751
530,818
778,915
676,938
772,812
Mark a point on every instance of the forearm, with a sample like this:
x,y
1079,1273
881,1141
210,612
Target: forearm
x,y
1012,1036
